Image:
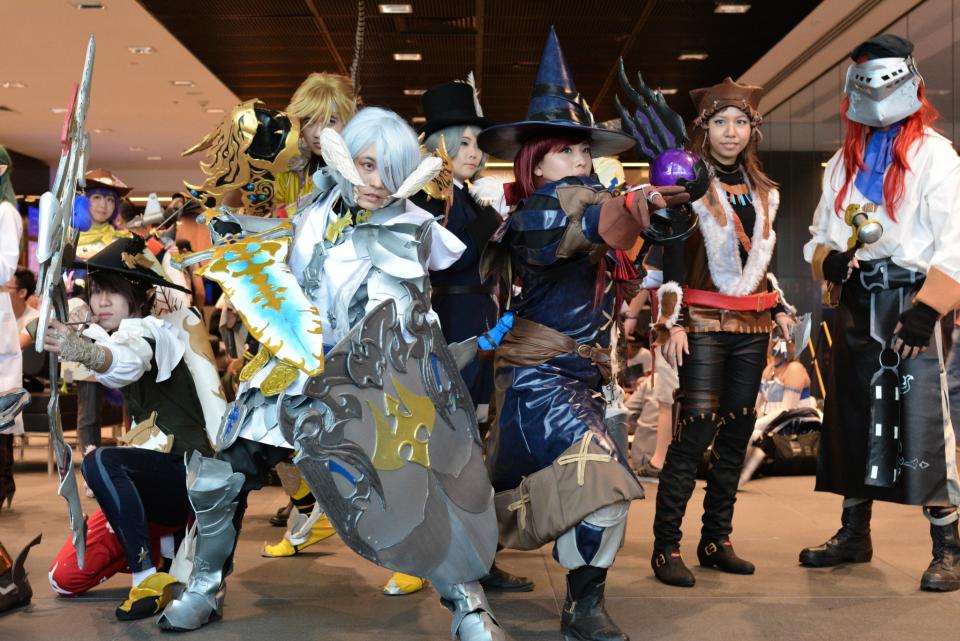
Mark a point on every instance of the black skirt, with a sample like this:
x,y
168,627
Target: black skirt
x,y
886,429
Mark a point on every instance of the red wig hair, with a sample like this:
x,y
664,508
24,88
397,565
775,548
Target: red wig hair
x,y
855,141
530,155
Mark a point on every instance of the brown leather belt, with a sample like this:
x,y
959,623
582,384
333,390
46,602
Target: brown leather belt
x,y
529,344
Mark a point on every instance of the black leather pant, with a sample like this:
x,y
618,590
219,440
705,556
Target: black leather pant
x,y
719,381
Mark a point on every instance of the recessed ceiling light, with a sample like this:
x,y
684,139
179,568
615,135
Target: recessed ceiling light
x,y
668,92
414,57
417,120
693,56
12,84
103,130
59,110
396,8
142,50
214,110
414,92
154,157
88,6
182,83
137,149
732,7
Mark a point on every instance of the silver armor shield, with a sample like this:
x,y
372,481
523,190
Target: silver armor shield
x,y
387,440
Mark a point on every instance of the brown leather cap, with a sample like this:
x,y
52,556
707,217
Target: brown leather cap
x,y
710,100
104,179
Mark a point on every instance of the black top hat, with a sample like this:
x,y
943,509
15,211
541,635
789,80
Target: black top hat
x,y
130,258
555,108
450,105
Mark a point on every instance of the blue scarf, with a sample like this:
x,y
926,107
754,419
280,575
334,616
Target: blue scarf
x,y
877,159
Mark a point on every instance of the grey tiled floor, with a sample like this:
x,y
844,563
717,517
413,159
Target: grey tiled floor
x,y
331,594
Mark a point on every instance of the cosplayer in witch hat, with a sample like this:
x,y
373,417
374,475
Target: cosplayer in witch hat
x,y
555,108
452,104
130,258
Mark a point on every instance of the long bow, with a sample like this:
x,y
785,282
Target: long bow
x,y
56,247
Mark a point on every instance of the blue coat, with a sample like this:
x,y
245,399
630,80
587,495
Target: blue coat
x,y
465,315
548,407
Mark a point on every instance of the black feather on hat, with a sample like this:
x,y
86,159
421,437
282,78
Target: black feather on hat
x,y
130,258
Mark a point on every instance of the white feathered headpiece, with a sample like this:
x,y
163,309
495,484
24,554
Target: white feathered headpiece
x,y
337,155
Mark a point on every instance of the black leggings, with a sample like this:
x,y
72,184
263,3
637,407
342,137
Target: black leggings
x,y
135,487
719,381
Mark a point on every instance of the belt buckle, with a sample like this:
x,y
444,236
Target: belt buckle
x,y
584,350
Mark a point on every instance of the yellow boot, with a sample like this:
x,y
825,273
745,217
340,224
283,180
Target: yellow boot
x,y
293,541
149,598
400,584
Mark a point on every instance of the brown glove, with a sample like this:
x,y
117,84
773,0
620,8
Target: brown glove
x,y
624,217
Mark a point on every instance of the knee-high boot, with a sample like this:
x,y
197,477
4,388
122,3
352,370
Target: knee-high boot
x,y
677,481
212,486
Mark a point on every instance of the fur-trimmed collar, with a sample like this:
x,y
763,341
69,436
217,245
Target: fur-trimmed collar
x,y
720,240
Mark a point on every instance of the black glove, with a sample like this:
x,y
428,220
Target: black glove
x,y
917,325
699,185
836,265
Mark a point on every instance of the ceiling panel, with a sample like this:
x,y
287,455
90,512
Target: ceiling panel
x,y
265,48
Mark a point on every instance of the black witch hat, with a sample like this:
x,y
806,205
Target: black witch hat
x,y
555,108
130,258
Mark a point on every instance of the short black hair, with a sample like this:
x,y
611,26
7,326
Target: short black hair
x,y
139,296
25,279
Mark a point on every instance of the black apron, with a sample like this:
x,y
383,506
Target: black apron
x,y
886,429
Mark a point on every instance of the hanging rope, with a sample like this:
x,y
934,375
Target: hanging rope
x,y
358,46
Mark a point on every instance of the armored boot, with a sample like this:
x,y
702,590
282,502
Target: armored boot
x,y
303,533
308,524
943,573
584,616
399,584
851,543
212,486
472,616
15,589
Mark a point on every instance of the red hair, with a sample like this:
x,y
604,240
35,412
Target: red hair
x,y
530,155
855,141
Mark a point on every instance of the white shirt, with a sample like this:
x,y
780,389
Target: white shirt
x,y
927,230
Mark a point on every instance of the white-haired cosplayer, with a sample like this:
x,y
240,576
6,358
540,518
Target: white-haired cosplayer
x,y
354,374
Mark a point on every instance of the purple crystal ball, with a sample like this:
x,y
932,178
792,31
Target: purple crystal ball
x,y
672,165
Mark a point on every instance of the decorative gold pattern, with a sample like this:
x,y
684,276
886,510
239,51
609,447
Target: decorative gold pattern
x,y
336,227
406,438
583,457
256,364
253,273
441,187
279,379
98,236
229,167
